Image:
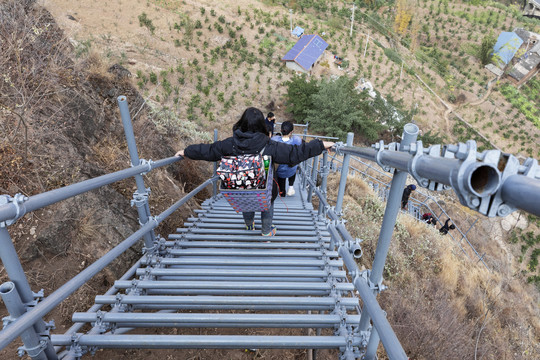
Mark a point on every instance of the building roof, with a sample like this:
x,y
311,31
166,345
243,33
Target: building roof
x,y
529,61
507,45
522,33
298,31
306,51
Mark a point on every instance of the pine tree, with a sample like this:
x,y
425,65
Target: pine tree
x,y
337,108
299,91
486,49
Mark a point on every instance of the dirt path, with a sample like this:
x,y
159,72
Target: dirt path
x,y
451,109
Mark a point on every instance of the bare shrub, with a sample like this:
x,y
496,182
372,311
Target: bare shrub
x,y
32,54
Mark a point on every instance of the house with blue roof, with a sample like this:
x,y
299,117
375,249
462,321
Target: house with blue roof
x,y
305,53
506,47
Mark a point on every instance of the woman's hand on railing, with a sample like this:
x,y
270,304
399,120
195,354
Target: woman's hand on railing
x,y
328,144
180,153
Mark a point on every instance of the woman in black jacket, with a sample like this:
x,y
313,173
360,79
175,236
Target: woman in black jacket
x,y
250,136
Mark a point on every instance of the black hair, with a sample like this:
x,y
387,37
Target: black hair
x,y
452,226
252,120
270,115
287,127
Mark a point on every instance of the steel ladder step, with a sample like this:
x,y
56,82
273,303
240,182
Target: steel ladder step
x,y
207,341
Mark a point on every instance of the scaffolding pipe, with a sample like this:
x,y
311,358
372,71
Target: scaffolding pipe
x,y
522,192
344,174
256,263
250,253
256,238
371,306
322,195
15,272
519,191
219,301
215,166
16,308
226,285
233,272
10,211
314,171
410,132
112,290
215,244
216,320
208,342
140,197
44,307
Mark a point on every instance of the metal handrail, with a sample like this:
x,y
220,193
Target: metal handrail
x,y
419,202
347,247
12,210
50,302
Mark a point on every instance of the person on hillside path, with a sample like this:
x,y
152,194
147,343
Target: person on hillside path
x,y
445,228
285,171
250,136
270,121
429,219
406,194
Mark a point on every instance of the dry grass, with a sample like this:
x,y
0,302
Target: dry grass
x,y
441,304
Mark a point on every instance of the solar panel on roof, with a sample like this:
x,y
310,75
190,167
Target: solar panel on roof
x,y
306,51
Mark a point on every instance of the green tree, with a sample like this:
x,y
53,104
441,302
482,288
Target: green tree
x,y
486,49
299,91
391,113
337,108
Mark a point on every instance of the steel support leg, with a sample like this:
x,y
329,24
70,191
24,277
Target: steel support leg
x,y
32,343
15,272
393,203
214,185
313,177
324,173
140,197
344,173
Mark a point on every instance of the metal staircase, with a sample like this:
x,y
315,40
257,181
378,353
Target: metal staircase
x,y
243,290
213,273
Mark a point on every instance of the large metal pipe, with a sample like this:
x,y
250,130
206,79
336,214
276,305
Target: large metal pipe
x,y
240,231
522,192
479,179
256,238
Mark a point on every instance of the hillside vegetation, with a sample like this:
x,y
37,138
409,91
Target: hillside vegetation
x,y
188,67
441,303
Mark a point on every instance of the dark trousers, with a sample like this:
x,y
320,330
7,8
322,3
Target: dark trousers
x,y
281,184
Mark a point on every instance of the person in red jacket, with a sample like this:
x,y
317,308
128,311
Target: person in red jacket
x,y
250,136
